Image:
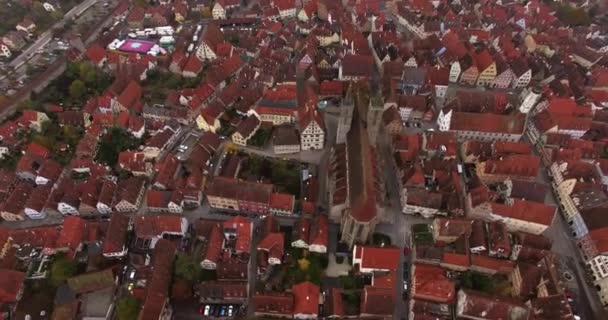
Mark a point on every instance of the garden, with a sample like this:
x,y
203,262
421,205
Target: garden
x,y
114,142
283,174
79,82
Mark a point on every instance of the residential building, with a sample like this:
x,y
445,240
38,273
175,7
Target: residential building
x,y
246,130
282,203
312,129
306,300
156,303
129,194
477,305
232,194
151,229
115,241
482,126
211,38
285,140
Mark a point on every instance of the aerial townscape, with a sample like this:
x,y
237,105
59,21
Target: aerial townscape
x,y
304,159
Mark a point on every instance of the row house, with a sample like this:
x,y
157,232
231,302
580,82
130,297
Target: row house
x,y
312,129
232,194
302,302
165,201
222,7
246,129
285,140
151,229
211,39
115,242
129,194
278,105
482,126
311,234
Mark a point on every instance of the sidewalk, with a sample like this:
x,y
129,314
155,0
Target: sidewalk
x,y
334,269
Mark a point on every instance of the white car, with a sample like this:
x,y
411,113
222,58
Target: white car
x,y
404,285
230,310
207,309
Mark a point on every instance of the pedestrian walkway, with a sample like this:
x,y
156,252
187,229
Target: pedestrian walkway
x,y
335,269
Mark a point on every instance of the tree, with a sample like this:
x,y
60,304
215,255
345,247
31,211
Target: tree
x,y
26,105
482,282
127,308
61,270
77,89
186,268
573,16
87,73
304,264
114,142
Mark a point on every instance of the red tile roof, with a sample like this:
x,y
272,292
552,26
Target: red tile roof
x,y
487,122
302,231
96,53
501,266
358,66
527,211
158,286
282,201
50,170
240,190
483,59
11,285
214,244
480,305
273,243
377,301
430,283
319,231
72,233
273,303
243,232
116,235
130,95
34,149
154,225
515,165
378,257
306,298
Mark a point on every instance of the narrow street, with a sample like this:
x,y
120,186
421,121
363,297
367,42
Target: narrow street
x,y
397,225
585,295
587,301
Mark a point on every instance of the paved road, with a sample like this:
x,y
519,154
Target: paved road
x,y
587,300
398,225
46,36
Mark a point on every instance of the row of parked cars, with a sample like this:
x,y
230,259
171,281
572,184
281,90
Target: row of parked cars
x,y
219,310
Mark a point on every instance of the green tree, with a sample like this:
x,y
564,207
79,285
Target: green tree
x,y
127,308
77,89
87,73
26,105
187,268
61,270
573,16
482,282
114,142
